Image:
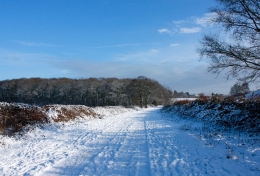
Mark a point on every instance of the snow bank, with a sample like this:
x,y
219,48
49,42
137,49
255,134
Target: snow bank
x,y
15,116
112,110
182,99
66,113
70,112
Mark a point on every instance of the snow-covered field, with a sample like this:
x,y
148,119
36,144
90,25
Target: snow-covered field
x,y
140,142
181,99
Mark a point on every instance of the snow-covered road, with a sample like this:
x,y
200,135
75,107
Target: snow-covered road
x,y
134,143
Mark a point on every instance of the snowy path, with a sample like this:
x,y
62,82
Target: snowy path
x,y
134,143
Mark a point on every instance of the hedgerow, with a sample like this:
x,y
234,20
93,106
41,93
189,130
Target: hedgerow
x,y
242,115
14,117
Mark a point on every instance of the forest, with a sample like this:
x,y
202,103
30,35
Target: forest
x,y
139,91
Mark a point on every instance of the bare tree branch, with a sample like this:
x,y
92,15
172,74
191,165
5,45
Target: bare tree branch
x,y
240,56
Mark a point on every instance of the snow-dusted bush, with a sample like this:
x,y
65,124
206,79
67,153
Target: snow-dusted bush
x,y
14,117
231,114
64,113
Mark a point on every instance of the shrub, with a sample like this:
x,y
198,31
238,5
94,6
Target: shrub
x,y
182,102
14,117
229,113
66,113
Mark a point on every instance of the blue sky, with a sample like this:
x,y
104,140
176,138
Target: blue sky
x,y
108,38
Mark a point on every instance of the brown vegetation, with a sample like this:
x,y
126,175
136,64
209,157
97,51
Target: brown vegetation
x,y
14,117
67,113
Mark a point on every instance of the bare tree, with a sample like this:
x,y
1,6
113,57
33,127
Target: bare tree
x,y
239,53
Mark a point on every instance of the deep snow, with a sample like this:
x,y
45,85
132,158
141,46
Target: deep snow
x,y
140,142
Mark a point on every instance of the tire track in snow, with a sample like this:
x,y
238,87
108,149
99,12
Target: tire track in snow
x,y
147,147
167,155
136,143
108,151
101,158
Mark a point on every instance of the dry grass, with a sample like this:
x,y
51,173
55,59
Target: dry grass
x,y
14,117
182,102
66,113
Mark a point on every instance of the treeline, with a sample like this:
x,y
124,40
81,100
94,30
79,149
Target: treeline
x,y
140,91
183,94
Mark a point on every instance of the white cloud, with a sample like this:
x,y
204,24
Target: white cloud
x,y
154,50
65,71
138,57
205,20
186,30
164,30
174,44
178,71
36,44
185,26
197,80
120,45
177,22
193,80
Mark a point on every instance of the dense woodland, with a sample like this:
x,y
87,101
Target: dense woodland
x,y
140,91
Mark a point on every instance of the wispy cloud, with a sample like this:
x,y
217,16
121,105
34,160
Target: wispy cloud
x,y
164,30
182,30
190,25
186,30
120,45
168,31
145,56
147,63
177,22
36,44
154,50
184,80
174,44
206,20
